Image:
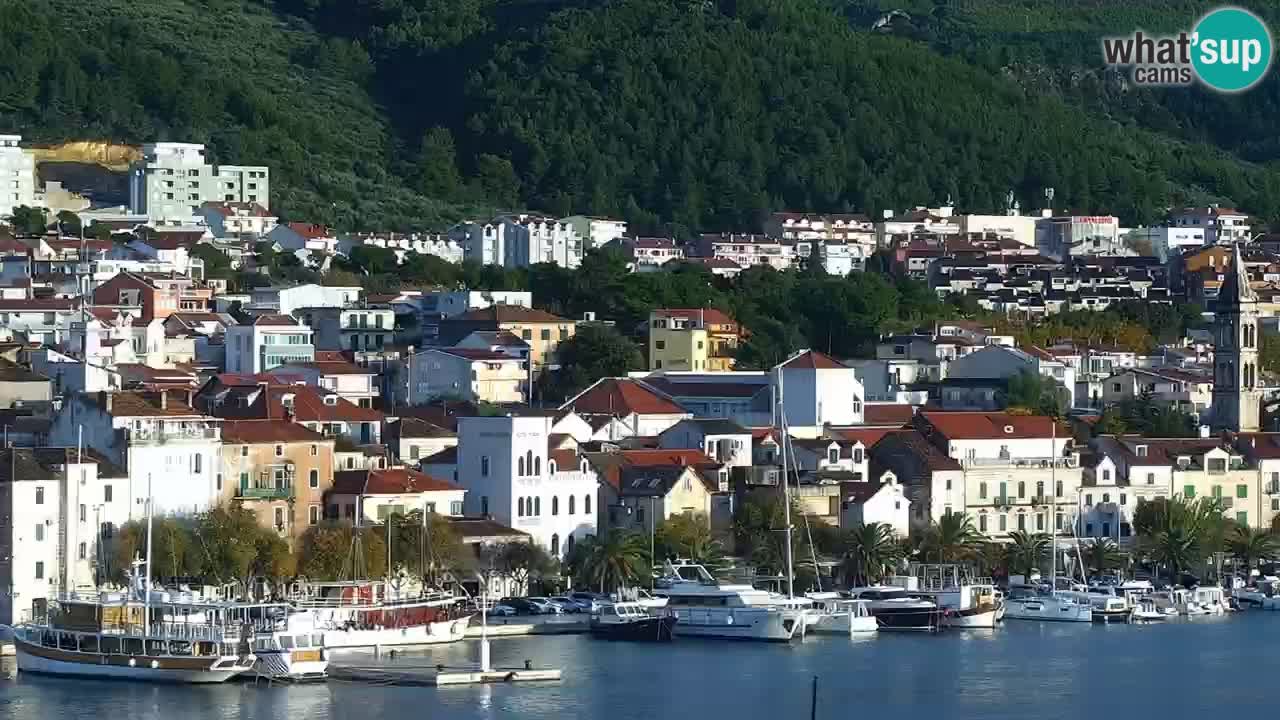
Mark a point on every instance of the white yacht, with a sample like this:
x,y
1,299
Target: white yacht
x,y
966,602
832,614
1033,603
897,609
704,607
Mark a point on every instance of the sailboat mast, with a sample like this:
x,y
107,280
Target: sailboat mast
x,y
786,489
1053,507
146,605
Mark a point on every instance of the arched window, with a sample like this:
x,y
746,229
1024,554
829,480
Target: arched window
x,y
568,546
555,505
586,504
555,544
982,491
520,467
528,461
1022,489
519,507
537,506
1040,489
571,501
537,465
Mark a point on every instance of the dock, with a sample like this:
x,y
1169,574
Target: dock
x,y
529,625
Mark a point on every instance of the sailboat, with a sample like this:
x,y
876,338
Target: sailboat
x,y
1033,603
139,634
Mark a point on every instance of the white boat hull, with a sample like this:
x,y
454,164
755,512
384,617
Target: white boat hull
x,y
984,619
435,633
288,665
1046,610
842,624
739,624
31,662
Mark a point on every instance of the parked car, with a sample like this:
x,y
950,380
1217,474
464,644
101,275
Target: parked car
x,y
570,605
523,606
502,610
545,605
591,601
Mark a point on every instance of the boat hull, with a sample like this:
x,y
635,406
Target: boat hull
x,y
843,624
1046,610
908,619
763,625
972,618
294,666
445,631
40,660
658,629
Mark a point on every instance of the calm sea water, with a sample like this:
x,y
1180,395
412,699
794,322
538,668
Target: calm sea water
x,y
1180,670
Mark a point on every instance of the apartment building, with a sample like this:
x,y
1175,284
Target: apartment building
x,y
268,342
279,470
173,180
17,175
697,339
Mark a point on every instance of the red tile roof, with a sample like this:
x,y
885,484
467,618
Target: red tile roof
x,y
268,431
867,436
391,481
503,314
894,414
310,231
813,360
621,397
147,404
275,320
991,426
228,209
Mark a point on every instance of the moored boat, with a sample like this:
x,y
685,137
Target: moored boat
x,y
833,614
1031,603
705,607
966,602
632,621
897,610
364,615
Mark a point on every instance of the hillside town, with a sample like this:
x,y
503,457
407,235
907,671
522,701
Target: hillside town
x,y
132,380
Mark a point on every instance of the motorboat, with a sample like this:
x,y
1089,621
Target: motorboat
x,y
833,614
368,615
966,602
1149,610
1026,602
1211,598
705,607
897,609
287,645
632,621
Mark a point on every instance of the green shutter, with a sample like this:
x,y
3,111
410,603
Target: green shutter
x,y
1242,519
1242,491
1189,491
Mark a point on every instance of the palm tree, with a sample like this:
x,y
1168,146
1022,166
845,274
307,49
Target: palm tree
x,y
952,539
993,559
869,551
1180,533
1249,545
1101,555
618,559
1027,552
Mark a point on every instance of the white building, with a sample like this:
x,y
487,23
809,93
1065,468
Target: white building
x,y
511,474
158,437
837,258
596,231
370,496
58,507
843,228
627,407
520,241
724,441
353,327
648,254
1014,226
287,300
17,175
296,236
1166,242
234,219
173,181
816,391
448,303
269,342
1071,235
1220,225
880,501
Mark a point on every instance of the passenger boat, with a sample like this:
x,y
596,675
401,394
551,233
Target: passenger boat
x,y
965,601
833,614
896,609
286,645
632,621
704,607
364,615
153,637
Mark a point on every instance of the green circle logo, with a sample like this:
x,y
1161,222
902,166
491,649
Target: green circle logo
x,y
1231,49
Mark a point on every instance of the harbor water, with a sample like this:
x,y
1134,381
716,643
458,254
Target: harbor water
x,y
1184,669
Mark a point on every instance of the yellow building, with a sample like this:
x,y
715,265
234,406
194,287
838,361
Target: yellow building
x,y
540,329
702,339
278,469
1210,468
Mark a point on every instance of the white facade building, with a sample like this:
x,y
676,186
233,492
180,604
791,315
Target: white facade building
x,y
1220,225
286,300
271,341
173,181
17,175
596,231
520,241
816,390
510,473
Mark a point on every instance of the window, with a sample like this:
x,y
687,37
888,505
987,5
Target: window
x,y
545,334
1242,519
84,513
1057,521
484,466
982,523
1189,491
196,462
82,551
519,467
1058,489
1088,528
1122,499
1106,476
571,501
315,450
1022,489
833,455
455,507
1151,478
537,506
279,518
313,478
39,571
857,458
982,491
555,506
244,450
1004,522
586,504
279,451
1040,489
39,532
1040,522
1088,499
106,493
555,544
1242,491
1217,465
313,515
1275,504
39,496
1022,522
639,516
660,344
484,505
413,452
1115,387
526,334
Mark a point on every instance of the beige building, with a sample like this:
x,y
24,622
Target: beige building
x,y
278,469
541,330
19,385
700,339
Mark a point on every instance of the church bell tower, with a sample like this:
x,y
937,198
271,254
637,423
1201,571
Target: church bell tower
x,y
1237,399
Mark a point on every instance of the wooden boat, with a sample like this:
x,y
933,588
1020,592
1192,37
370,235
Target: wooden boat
x,y
632,621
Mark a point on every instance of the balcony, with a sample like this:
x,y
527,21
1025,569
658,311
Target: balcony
x,y
1027,462
159,437
1002,501
265,493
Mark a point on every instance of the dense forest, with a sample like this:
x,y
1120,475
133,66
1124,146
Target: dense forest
x,y
678,114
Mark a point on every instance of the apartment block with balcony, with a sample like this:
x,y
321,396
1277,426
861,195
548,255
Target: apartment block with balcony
x,y
698,339
269,342
279,470
171,450
17,175
358,327
173,180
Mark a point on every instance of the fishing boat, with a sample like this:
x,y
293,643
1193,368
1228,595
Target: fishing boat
x,y
632,621
833,614
366,615
966,602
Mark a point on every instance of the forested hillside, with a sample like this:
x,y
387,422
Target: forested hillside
x,y
678,114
